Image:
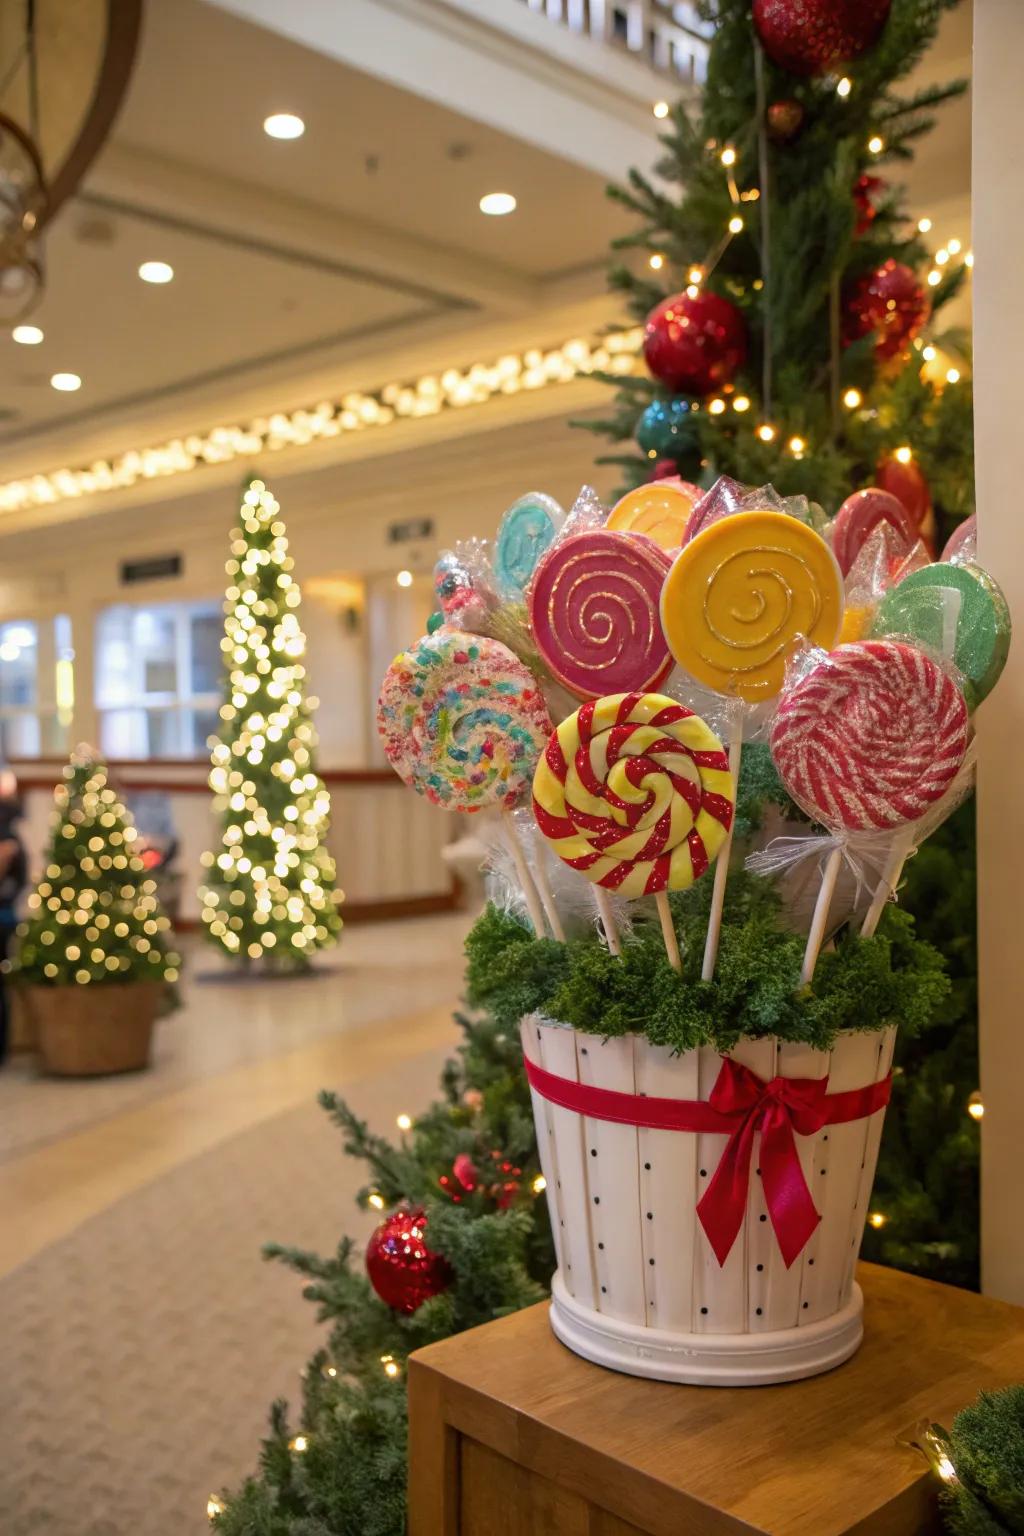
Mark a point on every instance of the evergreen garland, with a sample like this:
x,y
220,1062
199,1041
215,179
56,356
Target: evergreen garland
x,y
985,1494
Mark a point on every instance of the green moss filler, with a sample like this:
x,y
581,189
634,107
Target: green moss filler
x,y
863,984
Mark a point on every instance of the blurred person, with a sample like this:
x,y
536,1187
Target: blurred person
x,y
13,874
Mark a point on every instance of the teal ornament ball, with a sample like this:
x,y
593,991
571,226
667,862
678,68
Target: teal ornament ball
x,y
526,530
665,427
918,608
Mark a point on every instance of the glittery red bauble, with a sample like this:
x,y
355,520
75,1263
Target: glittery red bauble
x,y
810,37
864,189
783,119
664,469
401,1267
694,345
907,483
889,302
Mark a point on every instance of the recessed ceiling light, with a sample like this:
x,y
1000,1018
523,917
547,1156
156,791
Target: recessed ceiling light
x,y
66,381
27,335
497,203
156,272
284,125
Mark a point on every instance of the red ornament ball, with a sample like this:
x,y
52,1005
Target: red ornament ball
x,y
695,345
864,189
401,1268
664,469
889,302
783,119
810,37
907,483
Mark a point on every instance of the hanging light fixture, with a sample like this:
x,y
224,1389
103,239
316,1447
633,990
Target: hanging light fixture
x,y
57,106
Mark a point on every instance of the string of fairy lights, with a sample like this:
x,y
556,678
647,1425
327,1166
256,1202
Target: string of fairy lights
x,y
699,272
431,394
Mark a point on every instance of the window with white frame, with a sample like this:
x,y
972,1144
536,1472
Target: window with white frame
x,y
158,669
36,686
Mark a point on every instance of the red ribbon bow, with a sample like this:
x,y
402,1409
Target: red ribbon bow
x,y
776,1109
740,1106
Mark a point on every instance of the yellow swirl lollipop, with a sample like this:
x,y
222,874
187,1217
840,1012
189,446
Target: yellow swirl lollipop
x,y
739,596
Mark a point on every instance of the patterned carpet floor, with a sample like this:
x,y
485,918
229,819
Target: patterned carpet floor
x,y
139,1355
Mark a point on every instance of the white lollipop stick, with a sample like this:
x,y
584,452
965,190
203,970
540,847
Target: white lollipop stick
x,y
722,866
607,916
522,870
668,931
829,877
885,888
547,896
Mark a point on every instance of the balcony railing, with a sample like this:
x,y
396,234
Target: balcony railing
x,y
666,34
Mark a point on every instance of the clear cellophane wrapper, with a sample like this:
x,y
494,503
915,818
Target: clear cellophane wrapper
x,y
794,856
573,895
962,546
881,563
468,598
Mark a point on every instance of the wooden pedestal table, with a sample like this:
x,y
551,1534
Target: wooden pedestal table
x,y
512,1435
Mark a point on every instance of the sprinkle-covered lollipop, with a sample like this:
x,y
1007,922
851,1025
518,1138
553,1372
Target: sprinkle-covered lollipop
x,y
871,736
594,612
462,721
634,791
741,593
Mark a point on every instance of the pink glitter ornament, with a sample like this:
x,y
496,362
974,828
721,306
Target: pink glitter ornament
x,y
594,610
871,737
859,516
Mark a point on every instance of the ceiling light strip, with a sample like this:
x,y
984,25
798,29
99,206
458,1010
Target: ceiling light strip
x,y
454,389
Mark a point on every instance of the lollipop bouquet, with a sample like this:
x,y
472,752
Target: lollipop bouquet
x,y
646,699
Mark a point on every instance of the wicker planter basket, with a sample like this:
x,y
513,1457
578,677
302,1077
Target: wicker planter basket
x,y
638,1286
86,1031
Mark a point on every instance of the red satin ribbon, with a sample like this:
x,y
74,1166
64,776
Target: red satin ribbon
x,y
740,1106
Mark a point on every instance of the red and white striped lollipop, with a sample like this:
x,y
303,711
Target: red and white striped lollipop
x,y
871,737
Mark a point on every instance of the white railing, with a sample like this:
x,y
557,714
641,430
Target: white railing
x,y
667,34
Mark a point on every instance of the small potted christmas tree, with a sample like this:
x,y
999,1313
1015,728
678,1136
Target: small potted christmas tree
x,y
91,960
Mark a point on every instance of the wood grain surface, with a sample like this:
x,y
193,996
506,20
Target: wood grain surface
x,y
513,1435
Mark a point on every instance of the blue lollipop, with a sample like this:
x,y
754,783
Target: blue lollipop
x,y
525,532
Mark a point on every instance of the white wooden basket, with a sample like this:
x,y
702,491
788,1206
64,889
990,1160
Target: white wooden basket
x,y
638,1286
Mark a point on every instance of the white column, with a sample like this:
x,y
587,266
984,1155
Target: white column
x,y
998,227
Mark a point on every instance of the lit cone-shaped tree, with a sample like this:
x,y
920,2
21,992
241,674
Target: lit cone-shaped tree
x,y
270,893
94,917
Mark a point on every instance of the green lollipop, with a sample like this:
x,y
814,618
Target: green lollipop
x,y
915,607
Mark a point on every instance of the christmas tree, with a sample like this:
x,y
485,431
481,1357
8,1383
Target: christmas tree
x,y
94,917
270,894
816,390
788,301
821,368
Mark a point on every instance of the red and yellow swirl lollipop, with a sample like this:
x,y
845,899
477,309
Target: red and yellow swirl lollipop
x,y
634,791
740,595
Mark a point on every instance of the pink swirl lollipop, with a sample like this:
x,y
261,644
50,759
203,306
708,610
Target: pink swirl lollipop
x,y
594,609
871,737
859,516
